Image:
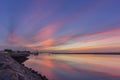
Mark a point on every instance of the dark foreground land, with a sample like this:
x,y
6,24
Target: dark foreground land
x,y
12,69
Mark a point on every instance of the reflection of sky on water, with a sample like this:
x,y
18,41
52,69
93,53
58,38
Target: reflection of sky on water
x,y
77,67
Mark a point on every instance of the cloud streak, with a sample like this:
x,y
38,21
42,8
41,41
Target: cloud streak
x,y
56,25
106,39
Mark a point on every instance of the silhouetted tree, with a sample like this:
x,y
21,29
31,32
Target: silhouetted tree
x,y
18,51
8,50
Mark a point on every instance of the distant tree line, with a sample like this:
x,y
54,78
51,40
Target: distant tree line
x,y
18,51
8,50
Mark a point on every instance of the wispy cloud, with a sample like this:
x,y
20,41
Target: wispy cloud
x,y
55,25
106,39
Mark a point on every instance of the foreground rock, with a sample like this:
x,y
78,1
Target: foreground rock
x,y
12,70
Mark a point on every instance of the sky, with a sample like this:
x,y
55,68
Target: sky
x,y
60,25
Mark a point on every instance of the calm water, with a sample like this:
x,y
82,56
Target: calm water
x,y
76,67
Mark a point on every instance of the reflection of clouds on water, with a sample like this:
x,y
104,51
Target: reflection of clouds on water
x,y
76,67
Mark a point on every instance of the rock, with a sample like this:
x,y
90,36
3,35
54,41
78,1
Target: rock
x,y
10,75
12,70
6,73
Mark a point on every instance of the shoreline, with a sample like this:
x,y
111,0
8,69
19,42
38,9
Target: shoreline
x,y
90,53
11,69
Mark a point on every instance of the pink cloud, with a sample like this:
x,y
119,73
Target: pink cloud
x,y
17,40
46,32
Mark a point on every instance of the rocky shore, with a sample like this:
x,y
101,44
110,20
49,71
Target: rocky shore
x,y
12,69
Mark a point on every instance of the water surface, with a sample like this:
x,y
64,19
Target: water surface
x,y
76,66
